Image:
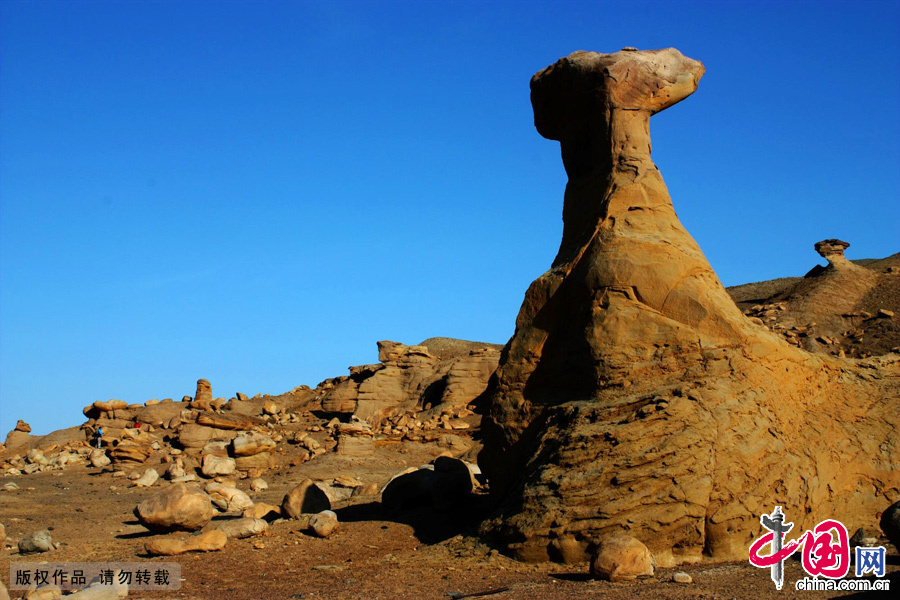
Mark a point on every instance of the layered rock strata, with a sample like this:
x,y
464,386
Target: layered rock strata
x,y
440,373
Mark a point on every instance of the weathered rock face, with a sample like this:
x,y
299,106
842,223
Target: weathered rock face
x,y
440,371
634,397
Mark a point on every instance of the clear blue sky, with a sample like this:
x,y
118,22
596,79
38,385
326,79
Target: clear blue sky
x,y
256,192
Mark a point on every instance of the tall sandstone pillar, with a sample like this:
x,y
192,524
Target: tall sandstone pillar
x,y
634,397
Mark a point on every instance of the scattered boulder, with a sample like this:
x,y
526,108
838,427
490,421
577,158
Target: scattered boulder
x,y
99,459
177,507
231,422
176,469
250,443
682,577
228,498
409,490
243,528
621,557
214,466
36,457
147,478
194,436
261,510
36,541
258,485
129,451
208,541
323,524
443,486
366,489
22,426
47,592
110,406
305,497
261,462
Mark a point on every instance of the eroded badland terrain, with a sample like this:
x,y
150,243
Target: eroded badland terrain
x,y
625,441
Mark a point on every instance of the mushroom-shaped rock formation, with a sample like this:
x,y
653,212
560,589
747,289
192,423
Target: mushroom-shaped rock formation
x,y
832,249
634,397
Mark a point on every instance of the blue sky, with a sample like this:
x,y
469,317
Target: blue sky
x,y
256,192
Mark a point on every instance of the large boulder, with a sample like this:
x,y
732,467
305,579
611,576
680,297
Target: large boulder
x,y
177,507
621,557
634,395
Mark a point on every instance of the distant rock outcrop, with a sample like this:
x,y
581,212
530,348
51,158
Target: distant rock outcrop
x,y
844,309
438,372
634,397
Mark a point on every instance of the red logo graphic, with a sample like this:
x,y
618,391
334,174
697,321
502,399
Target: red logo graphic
x,y
822,555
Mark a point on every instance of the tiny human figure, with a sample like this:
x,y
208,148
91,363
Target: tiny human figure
x,y
99,435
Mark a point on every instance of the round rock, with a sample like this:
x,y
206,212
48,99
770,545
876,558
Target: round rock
x,y
621,557
36,541
323,524
178,507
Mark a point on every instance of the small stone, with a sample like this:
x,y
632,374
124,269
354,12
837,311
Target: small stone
x,y
682,577
37,541
883,313
22,426
148,478
323,524
257,485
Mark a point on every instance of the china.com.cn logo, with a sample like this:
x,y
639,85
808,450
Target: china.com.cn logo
x,y
826,553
